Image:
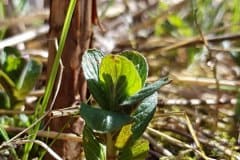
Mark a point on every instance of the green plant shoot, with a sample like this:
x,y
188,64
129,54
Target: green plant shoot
x,y
125,105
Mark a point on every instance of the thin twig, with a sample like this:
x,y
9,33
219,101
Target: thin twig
x,y
42,144
157,146
190,128
214,65
59,80
196,102
49,134
37,93
14,112
211,143
25,130
176,141
204,81
25,36
196,40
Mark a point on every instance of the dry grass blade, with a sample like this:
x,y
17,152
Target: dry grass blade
x,y
40,143
176,142
204,81
49,134
25,36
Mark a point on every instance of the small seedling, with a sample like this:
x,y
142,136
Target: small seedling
x,y
125,105
18,76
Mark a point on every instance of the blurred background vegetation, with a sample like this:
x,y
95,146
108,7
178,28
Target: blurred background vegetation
x,y
194,42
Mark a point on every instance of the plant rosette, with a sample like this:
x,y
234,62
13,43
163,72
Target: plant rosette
x,y
18,76
125,104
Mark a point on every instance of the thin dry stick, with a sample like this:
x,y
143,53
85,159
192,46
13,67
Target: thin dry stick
x,y
14,112
193,133
196,102
214,67
74,108
157,146
225,150
190,127
59,80
49,134
70,111
25,130
211,143
42,144
25,36
198,39
177,142
204,81
37,93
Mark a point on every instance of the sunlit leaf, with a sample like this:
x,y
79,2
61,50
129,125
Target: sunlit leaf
x,y
123,136
138,151
139,61
119,78
13,67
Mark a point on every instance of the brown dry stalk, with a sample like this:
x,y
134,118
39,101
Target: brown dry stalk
x,y
49,134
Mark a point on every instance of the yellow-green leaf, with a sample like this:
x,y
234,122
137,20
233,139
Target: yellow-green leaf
x,y
119,77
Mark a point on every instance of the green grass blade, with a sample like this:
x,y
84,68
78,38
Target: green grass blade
x,y
55,67
4,134
2,16
42,107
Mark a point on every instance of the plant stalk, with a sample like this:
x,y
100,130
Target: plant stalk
x,y
111,150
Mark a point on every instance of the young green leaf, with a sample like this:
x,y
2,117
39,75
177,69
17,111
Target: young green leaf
x,y
140,63
92,148
90,63
119,78
4,100
145,92
27,79
102,120
21,71
13,67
